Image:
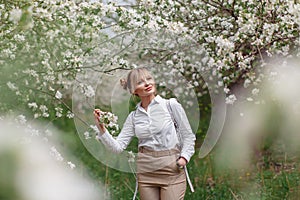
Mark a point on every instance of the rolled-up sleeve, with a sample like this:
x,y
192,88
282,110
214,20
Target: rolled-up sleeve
x,y
121,142
186,135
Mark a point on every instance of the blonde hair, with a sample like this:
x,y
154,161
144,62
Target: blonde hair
x,y
133,77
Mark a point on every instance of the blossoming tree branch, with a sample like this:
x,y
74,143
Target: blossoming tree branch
x,y
46,44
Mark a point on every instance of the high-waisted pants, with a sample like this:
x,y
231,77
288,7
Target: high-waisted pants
x,y
159,178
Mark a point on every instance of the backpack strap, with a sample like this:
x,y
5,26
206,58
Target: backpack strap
x,y
175,122
180,143
136,180
171,113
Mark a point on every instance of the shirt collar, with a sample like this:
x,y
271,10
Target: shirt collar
x,y
157,99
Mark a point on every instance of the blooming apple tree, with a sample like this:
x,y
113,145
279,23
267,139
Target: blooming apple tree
x,y
234,39
46,44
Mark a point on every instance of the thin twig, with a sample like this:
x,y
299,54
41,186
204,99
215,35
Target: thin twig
x,y
234,195
68,108
106,182
129,188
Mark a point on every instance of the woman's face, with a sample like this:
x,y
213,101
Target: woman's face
x,y
145,86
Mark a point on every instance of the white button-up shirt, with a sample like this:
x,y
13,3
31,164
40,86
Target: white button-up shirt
x,y
154,129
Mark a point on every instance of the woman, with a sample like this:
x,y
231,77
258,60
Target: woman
x,y
161,156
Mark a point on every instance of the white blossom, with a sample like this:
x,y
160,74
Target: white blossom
x,y
170,62
48,132
58,95
36,115
230,99
255,91
32,105
33,132
71,165
45,114
70,115
247,83
89,91
123,62
226,90
58,112
15,15
131,157
56,154
19,38
21,119
86,135
43,108
11,86
94,128
51,89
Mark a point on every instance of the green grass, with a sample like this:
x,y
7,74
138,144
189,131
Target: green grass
x,y
269,180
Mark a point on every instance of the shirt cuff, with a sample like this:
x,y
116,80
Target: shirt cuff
x,y
185,156
100,136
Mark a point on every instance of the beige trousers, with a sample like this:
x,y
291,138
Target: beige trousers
x,y
159,178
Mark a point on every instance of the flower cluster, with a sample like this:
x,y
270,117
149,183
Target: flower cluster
x,y
110,121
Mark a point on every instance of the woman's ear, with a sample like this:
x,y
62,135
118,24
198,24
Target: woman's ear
x,y
135,94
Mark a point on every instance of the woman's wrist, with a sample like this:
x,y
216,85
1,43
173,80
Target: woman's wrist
x,y
184,159
101,128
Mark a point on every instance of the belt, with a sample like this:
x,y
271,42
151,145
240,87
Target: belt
x,y
151,152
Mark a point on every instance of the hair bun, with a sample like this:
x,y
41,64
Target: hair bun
x,y
123,83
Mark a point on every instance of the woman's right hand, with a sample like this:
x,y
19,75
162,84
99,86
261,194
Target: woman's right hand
x,y
97,115
101,126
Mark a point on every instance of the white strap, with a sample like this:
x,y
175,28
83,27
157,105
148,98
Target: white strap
x,y
188,179
174,122
136,189
180,141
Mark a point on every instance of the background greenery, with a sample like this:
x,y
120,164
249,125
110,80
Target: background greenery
x,y
271,173
44,45
274,175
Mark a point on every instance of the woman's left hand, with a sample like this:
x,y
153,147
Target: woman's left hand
x,y
181,162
